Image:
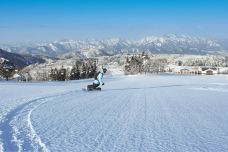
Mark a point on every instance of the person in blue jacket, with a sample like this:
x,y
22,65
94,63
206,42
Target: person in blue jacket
x,y
98,80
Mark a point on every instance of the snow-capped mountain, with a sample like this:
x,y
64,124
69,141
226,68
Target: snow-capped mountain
x,y
174,44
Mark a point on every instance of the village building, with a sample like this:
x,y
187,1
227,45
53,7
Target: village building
x,y
209,71
192,70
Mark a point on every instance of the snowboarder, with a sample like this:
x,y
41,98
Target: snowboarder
x,y
98,80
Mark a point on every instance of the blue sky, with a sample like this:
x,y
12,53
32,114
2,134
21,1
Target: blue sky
x,y
47,20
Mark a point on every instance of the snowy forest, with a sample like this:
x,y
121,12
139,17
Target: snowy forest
x,y
143,63
82,68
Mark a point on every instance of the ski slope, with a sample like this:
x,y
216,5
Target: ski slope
x,y
131,113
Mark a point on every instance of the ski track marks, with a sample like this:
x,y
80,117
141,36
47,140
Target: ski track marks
x,y
92,130
17,131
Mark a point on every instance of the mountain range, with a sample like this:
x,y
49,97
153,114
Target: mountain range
x,y
166,44
19,60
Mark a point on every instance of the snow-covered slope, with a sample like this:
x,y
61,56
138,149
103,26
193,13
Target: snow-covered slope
x,y
131,113
175,44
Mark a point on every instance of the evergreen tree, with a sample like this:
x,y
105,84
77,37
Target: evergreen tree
x,y
7,69
77,74
62,74
83,71
73,73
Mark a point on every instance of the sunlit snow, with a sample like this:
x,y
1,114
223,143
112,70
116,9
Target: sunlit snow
x,y
131,113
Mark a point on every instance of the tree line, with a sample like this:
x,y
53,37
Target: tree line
x,y
142,63
80,70
83,69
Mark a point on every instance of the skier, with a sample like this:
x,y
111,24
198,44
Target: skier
x,y
98,80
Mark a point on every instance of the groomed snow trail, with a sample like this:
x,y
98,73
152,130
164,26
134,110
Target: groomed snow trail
x,y
134,113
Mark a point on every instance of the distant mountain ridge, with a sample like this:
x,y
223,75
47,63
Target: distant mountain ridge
x,y
20,60
167,44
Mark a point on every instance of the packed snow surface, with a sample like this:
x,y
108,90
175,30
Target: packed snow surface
x,y
131,113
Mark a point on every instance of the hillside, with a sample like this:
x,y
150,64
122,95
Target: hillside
x,y
20,60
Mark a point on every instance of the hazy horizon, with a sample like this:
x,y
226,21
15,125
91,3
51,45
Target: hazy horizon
x,y
25,21
19,43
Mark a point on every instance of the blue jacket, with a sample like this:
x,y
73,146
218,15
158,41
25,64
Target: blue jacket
x,y
99,79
